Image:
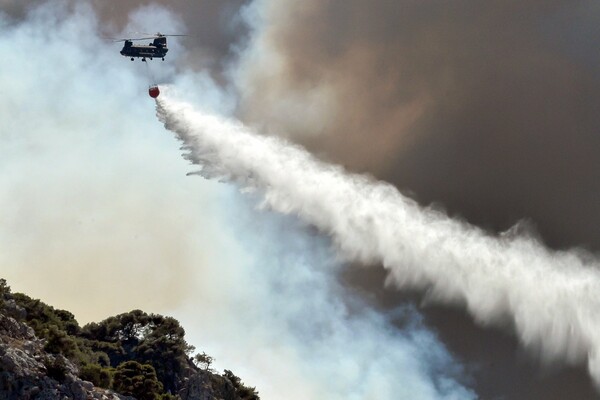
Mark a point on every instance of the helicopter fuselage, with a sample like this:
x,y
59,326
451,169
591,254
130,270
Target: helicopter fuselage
x,y
156,49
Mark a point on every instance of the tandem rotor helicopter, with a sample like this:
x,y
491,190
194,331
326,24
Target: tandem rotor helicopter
x,y
155,49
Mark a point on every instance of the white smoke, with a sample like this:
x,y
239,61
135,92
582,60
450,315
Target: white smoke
x,y
84,215
549,296
289,326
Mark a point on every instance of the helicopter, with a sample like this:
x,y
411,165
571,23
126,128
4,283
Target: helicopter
x,y
155,49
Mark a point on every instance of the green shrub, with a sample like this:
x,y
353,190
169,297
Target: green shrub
x,y
138,380
56,368
101,377
59,342
242,391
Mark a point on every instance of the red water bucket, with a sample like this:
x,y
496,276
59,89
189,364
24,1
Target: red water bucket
x,y
153,91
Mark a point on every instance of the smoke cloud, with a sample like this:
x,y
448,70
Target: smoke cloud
x,y
305,336
492,277
488,108
97,216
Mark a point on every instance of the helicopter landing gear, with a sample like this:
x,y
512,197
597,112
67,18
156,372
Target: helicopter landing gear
x,y
131,58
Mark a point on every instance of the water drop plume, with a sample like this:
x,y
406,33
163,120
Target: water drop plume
x,y
550,298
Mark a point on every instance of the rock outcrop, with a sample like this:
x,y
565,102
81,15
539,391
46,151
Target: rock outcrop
x,y
207,386
27,372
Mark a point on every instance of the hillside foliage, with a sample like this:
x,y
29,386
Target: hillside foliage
x,y
135,353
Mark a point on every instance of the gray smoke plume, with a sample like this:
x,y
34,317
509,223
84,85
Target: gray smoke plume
x,y
488,108
550,297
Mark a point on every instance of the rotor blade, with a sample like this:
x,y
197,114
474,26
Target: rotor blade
x,y
158,34
143,38
131,40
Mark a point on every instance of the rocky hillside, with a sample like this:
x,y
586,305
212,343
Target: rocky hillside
x,y
45,354
27,371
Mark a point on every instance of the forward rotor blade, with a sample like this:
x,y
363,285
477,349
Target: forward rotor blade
x,y
131,40
143,38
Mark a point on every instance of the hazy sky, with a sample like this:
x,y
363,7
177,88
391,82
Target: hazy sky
x,y
487,109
